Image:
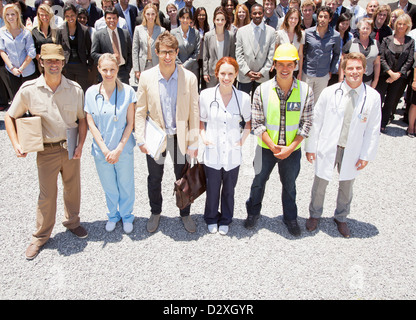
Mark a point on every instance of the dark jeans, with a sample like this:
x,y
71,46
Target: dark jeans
x,y
264,163
154,179
216,179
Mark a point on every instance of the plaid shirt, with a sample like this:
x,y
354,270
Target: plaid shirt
x,y
258,119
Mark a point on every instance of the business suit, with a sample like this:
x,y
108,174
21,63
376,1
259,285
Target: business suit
x,y
187,127
133,12
94,14
336,15
251,59
211,54
188,53
140,47
411,11
102,44
391,92
77,71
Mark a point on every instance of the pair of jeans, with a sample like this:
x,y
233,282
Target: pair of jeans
x,y
264,163
156,168
117,181
220,184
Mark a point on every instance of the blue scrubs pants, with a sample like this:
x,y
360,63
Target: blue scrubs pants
x,y
118,184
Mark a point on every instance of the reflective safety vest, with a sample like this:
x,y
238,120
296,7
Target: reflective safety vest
x,y
271,109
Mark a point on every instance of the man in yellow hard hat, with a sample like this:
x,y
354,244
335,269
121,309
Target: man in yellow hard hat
x,y
281,118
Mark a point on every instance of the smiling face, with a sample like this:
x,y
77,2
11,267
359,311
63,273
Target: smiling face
x,y
284,69
257,14
108,70
219,21
167,56
70,17
111,20
226,75
52,67
354,72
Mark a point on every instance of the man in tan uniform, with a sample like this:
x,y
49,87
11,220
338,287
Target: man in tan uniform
x,y
59,102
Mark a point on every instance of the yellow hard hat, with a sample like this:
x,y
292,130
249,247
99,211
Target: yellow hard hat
x,y
286,52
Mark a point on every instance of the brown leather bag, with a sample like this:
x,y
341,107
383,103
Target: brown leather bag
x,y
191,185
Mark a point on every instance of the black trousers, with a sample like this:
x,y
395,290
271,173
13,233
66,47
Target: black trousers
x,y
156,168
220,185
390,96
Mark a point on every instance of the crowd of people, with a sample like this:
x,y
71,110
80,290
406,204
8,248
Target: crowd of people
x,y
273,69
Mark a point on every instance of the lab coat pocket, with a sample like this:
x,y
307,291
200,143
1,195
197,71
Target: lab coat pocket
x,y
211,154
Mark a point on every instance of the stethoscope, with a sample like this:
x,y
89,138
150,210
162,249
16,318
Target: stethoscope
x,y
99,94
215,102
361,116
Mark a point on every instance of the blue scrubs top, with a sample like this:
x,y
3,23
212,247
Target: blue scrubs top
x,y
102,112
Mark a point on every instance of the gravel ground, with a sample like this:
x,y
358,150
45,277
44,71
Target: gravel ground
x,y
376,263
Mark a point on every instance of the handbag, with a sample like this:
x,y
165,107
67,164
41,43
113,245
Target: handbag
x,y
29,133
191,185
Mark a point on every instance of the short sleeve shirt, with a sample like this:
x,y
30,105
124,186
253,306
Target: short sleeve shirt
x,y
58,110
110,117
223,128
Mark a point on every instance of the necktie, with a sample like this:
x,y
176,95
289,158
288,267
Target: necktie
x,y
116,47
349,108
256,37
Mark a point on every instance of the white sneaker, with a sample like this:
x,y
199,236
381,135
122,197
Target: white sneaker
x,y
110,226
223,230
127,227
212,228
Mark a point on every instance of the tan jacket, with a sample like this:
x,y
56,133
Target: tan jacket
x,y
187,108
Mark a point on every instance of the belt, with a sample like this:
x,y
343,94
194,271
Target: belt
x,y
62,144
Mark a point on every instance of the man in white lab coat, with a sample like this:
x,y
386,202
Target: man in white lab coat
x,y
345,133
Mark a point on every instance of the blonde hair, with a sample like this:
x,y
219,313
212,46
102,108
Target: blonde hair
x,y
406,19
18,16
111,57
147,7
49,11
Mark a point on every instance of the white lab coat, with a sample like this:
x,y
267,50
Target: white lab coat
x,y
363,136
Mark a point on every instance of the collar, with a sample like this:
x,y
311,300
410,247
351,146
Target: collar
x,y
41,83
261,25
187,34
174,75
347,88
294,84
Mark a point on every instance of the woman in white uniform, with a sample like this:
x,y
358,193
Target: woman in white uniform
x,y
110,114
222,109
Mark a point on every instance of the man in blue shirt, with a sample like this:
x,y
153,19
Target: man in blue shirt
x,y
321,52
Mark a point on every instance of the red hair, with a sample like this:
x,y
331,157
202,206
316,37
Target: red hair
x,y
225,60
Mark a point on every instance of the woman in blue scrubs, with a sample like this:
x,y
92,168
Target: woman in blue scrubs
x,y
110,114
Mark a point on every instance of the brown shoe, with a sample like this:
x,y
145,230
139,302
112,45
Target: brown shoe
x,y
343,228
153,223
80,232
32,251
311,224
189,224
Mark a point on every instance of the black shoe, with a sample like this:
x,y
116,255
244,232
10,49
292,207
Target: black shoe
x,y
293,227
251,221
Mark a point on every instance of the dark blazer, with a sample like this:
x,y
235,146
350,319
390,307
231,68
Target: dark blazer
x,y
411,11
388,59
95,14
133,15
102,43
84,43
335,17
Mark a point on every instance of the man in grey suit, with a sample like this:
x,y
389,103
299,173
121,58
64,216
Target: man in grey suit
x,y
114,40
254,51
